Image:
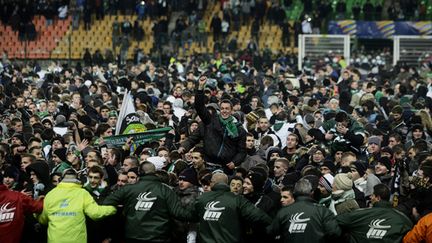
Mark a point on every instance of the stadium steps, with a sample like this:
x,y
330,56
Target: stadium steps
x,y
41,48
213,8
270,36
100,37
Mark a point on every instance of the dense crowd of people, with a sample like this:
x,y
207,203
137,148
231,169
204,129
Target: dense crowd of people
x,y
257,151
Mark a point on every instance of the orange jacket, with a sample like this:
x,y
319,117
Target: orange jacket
x,y
422,231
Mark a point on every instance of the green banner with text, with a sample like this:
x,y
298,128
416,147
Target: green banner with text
x,y
138,138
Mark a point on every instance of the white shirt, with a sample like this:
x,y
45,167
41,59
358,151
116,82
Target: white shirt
x,y
63,10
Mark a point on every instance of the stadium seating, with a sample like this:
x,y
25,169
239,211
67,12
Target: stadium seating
x,y
42,47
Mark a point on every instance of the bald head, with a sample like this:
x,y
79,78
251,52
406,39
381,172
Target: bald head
x,y
219,178
147,168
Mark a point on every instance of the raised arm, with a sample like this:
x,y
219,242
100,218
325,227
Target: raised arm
x,y
202,111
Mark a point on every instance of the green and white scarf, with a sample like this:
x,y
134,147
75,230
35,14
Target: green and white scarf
x,y
230,124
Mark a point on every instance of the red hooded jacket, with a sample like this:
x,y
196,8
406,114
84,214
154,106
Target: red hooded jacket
x,y
13,207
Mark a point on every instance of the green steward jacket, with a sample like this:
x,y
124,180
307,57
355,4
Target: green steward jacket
x,y
304,221
150,207
219,213
381,223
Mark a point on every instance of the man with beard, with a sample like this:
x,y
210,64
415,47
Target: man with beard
x,y
198,162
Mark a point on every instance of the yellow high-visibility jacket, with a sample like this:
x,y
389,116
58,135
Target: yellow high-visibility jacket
x,y
64,210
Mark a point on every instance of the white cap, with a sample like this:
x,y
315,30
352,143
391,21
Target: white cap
x,y
87,83
158,162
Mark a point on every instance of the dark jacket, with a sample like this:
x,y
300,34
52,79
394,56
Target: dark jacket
x,y
304,221
381,223
266,204
149,206
289,179
220,212
219,148
351,141
187,198
41,169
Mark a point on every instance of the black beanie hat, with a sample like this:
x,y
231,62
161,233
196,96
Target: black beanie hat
x,y
86,120
189,175
11,172
426,167
61,153
58,138
134,170
386,162
41,169
360,167
329,164
257,180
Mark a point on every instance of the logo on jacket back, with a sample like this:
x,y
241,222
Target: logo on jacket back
x,y
298,225
64,203
145,202
6,214
212,212
376,230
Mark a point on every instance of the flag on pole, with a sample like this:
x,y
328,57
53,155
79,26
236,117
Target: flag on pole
x,y
128,120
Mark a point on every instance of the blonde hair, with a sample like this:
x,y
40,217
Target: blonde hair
x,y
426,119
